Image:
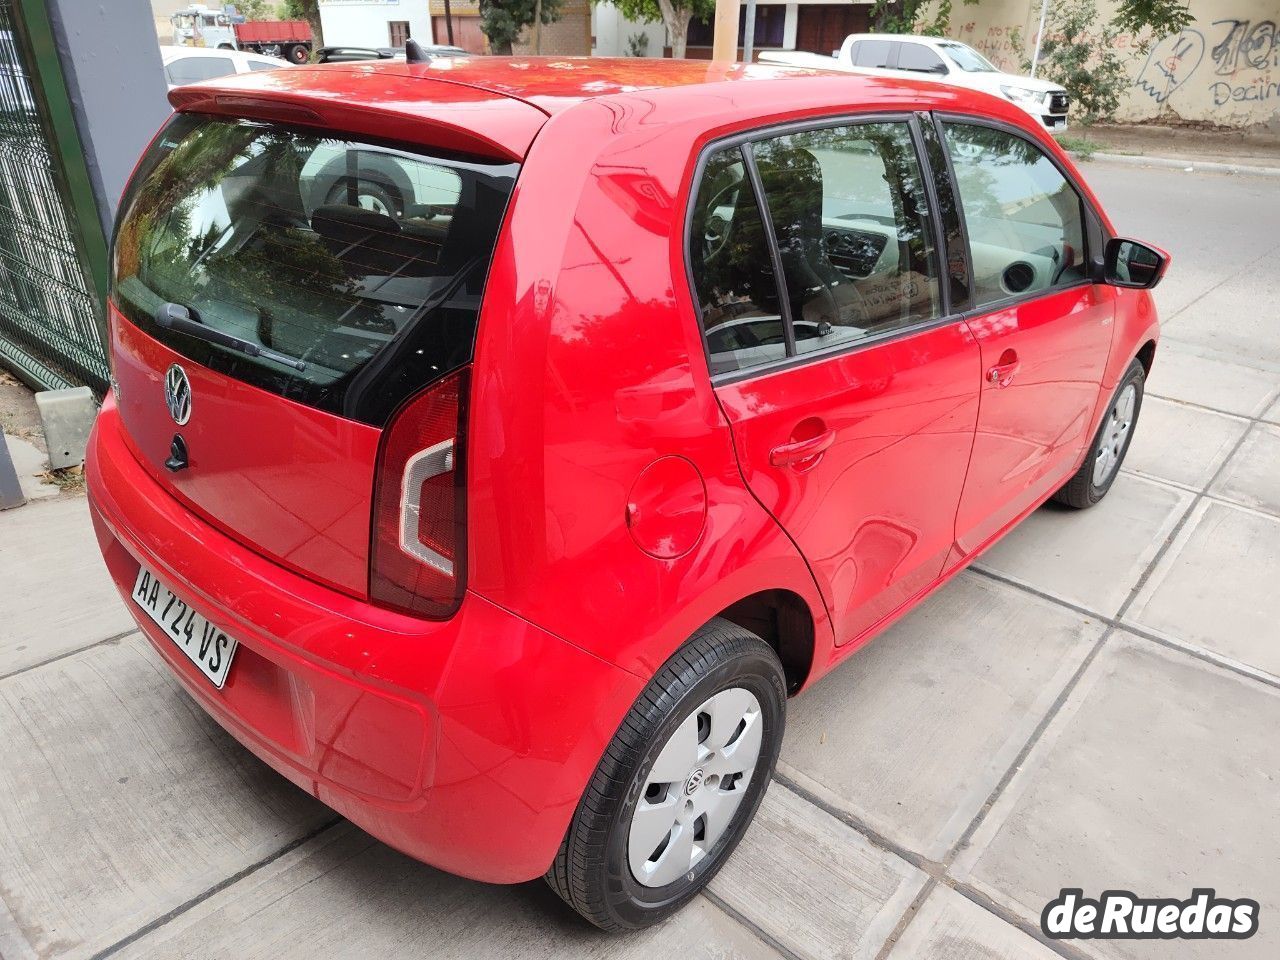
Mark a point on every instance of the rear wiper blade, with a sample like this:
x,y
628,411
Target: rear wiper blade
x,y
175,316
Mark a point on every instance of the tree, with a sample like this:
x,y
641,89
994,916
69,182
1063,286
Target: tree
x,y
308,10
909,16
1163,17
256,9
502,21
1078,51
674,15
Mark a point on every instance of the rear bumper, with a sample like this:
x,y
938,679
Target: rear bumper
x,y
465,743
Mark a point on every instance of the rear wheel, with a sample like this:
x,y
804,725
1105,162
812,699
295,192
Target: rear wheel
x,y
678,784
1100,468
297,53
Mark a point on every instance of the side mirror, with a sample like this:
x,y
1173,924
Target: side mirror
x,y
1128,263
940,69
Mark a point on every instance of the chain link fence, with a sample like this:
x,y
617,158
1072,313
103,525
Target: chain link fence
x,y
50,312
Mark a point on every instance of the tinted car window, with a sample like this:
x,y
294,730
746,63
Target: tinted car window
x,y
256,65
194,69
327,252
916,56
849,212
729,256
1024,219
871,53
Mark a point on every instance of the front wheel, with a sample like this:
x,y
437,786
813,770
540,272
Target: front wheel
x,y
1102,464
678,784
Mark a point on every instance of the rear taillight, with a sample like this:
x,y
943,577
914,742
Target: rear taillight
x,y
418,557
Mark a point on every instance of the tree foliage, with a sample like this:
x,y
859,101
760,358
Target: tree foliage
x,y
256,9
308,10
1078,51
502,21
1162,17
930,17
673,14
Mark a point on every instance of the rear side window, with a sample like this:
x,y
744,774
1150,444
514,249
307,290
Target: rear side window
x,y
357,266
1024,219
729,256
186,70
871,53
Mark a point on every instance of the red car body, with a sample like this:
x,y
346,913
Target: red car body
x,y
616,497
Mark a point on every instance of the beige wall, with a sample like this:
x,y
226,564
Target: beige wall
x,y
1224,69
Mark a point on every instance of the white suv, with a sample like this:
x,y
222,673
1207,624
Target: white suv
x,y
943,59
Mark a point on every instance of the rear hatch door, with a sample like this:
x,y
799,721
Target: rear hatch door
x,y
279,288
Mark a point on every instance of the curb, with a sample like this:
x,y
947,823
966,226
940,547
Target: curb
x,y
1190,166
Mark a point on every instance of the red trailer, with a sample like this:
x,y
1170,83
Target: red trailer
x,y
290,39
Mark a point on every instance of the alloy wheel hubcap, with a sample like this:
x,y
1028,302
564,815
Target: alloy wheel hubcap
x,y
1115,433
695,787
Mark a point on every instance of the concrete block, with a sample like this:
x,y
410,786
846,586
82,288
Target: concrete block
x,y
1181,443
343,894
57,595
120,800
1193,375
914,731
67,417
949,926
1216,588
1092,557
1252,478
1159,775
814,884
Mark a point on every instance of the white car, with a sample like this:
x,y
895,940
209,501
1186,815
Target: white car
x,y
183,65
941,59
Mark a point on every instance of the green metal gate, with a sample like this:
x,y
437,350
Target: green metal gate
x,y
53,258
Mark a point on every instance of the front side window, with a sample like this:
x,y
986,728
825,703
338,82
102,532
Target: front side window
x,y
851,220
1024,219
732,272
916,56
320,255
966,58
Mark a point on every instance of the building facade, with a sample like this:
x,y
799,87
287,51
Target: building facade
x,y
374,23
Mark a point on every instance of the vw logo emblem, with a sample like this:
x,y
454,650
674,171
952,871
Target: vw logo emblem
x,y
694,781
177,394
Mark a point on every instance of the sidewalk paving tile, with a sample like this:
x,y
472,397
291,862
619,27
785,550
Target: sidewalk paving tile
x,y
1159,775
1092,557
57,595
120,800
1180,443
949,926
814,884
343,894
1228,321
1217,586
1189,374
915,731
1252,478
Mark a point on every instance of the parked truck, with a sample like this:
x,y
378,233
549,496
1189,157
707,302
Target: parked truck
x,y
201,26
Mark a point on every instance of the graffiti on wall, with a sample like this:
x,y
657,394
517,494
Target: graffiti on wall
x,y
1242,63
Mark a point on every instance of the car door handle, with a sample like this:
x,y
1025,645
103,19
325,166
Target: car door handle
x,y
797,451
1002,374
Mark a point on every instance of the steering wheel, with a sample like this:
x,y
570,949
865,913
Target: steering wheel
x,y
714,241
1065,259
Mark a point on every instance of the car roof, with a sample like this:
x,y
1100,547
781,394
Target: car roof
x,y
905,38
498,104
169,53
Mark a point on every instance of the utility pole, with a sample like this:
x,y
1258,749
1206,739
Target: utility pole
x,y
1035,57
448,23
537,27
724,46
749,33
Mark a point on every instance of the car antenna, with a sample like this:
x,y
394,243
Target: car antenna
x,y
414,53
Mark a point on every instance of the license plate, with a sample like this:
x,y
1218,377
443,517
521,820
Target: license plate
x,y
204,644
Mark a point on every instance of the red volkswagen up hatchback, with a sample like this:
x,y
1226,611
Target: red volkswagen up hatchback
x,y
496,444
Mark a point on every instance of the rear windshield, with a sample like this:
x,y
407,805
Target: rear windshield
x,y
357,268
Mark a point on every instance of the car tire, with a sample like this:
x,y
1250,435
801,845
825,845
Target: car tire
x,y
1110,444
604,869
297,54
370,195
